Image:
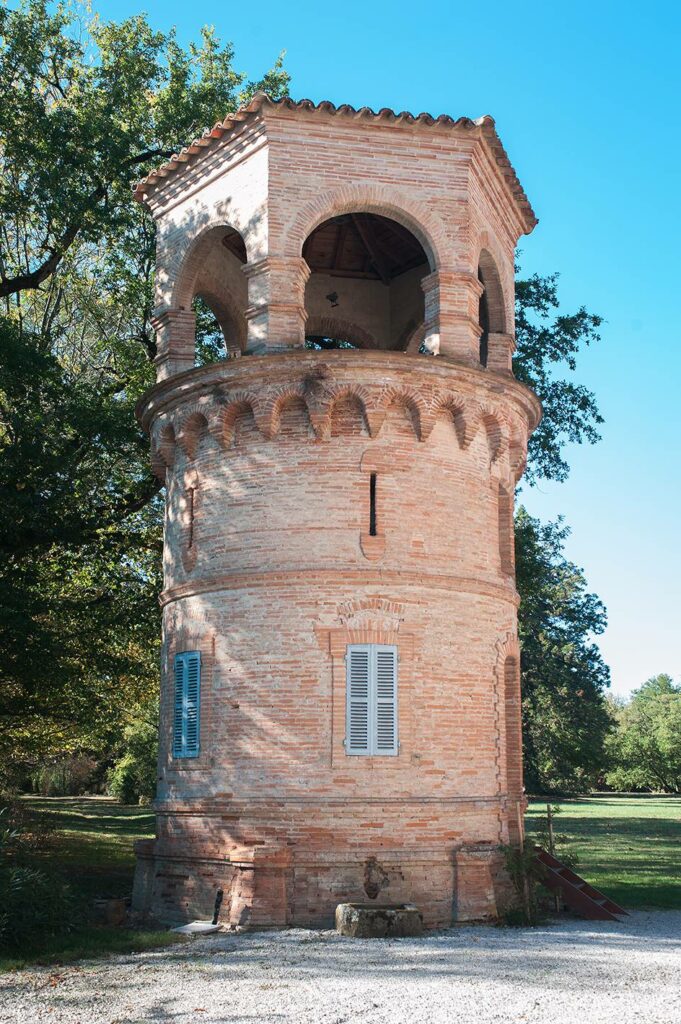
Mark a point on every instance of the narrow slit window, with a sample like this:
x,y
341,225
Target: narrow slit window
x,y
372,505
190,506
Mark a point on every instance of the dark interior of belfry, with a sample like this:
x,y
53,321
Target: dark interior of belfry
x,y
364,290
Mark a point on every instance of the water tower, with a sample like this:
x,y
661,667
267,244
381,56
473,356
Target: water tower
x,y
340,697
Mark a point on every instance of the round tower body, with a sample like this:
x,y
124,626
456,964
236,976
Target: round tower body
x,y
340,699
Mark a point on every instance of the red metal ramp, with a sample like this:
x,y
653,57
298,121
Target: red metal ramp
x,y
575,891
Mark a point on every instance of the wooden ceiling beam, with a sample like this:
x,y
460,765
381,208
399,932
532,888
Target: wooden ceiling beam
x,y
340,243
361,275
366,233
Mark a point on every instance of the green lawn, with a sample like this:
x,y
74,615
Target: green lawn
x,y
93,845
628,846
92,850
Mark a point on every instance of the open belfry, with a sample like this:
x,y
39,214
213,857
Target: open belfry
x,y
340,695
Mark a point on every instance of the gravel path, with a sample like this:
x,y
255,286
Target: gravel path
x,y
572,973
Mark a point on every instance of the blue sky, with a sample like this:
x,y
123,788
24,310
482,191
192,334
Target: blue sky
x,y
586,100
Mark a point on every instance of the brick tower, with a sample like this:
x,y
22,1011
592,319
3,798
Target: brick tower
x,y
340,699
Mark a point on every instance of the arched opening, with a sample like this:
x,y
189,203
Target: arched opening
x,y
364,289
483,320
514,739
491,316
214,286
506,529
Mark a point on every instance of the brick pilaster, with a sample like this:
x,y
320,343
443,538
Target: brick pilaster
x,y
276,304
500,349
451,314
175,341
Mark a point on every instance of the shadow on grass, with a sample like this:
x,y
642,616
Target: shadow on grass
x,y
93,814
88,943
629,846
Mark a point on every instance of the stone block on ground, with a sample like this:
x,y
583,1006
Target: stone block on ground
x,y
364,921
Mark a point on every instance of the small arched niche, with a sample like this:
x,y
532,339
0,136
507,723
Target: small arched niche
x,y
491,314
364,289
213,284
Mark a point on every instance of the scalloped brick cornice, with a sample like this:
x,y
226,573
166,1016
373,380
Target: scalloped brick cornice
x,y
208,401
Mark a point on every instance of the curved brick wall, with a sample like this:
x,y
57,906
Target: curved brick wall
x,y
270,571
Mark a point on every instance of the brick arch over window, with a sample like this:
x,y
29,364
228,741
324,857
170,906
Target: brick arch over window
x,y
488,274
426,226
197,254
492,306
340,329
230,319
511,736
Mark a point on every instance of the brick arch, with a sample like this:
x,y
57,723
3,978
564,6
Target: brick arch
x,y
488,269
510,736
426,226
230,318
343,330
184,271
193,429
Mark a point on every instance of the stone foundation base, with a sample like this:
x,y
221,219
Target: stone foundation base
x,y
269,887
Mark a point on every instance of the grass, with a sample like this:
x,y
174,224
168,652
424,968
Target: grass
x,y
91,849
93,843
628,846
89,943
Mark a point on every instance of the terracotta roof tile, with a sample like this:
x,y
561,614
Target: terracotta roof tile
x,y
260,100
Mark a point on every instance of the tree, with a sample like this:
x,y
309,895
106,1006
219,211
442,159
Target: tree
x,y
85,107
570,412
645,749
565,718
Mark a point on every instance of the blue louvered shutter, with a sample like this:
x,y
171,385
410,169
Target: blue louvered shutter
x,y
187,706
371,700
385,699
357,729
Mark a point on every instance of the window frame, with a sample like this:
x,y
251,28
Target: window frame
x,y
372,749
181,750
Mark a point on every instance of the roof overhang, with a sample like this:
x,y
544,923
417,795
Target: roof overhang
x,y
484,127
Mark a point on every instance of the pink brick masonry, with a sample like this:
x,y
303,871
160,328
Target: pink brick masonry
x,y
270,569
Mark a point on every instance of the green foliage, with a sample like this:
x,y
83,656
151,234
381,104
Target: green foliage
x,y
65,776
645,749
133,777
545,344
90,851
557,843
93,105
88,942
210,342
86,106
565,719
20,831
565,716
33,905
526,873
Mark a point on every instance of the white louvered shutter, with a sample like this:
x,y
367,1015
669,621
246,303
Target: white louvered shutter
x,y
187,710
357,731
371,674
385,740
